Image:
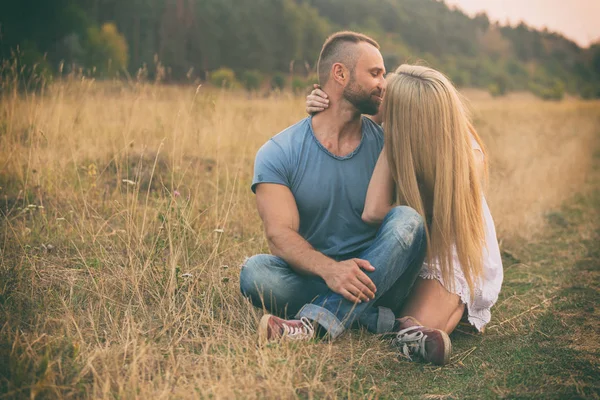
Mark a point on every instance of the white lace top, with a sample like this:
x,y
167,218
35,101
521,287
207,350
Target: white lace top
x,y
488,288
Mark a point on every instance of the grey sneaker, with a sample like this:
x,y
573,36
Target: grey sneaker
x,y
431,345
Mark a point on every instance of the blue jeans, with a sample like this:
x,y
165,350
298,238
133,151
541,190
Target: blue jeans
x,y
397,254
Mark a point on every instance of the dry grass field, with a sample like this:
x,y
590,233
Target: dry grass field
x,y
126,213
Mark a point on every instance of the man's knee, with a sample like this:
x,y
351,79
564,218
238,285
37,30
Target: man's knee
x,y
263,281
406,225
252,270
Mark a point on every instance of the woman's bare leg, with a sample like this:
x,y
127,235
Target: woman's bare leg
x,y
433,306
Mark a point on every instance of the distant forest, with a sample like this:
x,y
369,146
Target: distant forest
x,y
276,42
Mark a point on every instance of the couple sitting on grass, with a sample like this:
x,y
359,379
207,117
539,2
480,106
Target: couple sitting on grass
x,y
384,228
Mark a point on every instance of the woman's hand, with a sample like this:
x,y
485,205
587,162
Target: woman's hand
x,y
316,101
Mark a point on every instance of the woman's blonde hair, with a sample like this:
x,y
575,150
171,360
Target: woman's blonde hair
x,y
428,147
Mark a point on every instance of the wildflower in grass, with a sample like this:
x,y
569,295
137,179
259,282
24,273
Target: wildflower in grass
x,y
47,247
92,171
176,193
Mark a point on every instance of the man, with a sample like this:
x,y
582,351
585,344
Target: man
x,y
328,267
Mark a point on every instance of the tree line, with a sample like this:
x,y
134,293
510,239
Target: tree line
x,y
253,42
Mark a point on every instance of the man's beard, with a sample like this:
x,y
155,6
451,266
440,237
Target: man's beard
x,y
363,101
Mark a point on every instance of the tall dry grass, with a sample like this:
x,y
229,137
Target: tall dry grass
x,y
126,213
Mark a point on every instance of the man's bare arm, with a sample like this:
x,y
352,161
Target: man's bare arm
x,y
277,208
279,212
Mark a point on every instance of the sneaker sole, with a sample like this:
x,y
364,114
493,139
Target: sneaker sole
x,y
263,329
447,344
447,347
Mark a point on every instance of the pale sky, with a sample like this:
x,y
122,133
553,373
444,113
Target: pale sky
x,y
579,20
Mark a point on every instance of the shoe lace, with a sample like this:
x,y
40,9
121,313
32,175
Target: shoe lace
x,y
306,331
411,341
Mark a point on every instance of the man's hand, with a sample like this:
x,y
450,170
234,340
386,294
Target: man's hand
x,y
347,279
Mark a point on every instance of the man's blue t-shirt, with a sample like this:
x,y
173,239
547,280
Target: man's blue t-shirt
x,y
329,190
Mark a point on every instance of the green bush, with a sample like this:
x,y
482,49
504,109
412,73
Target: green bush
x,y
27,69
251,80
106,50
502,82
557,91
589,92
312,79
494,90
299,85
551,91
460,78
278,81
34,62
223,77
302,85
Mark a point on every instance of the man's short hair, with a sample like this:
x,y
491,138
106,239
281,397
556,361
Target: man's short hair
x,y
338,48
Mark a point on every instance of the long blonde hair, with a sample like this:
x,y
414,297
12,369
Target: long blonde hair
x,y
428,148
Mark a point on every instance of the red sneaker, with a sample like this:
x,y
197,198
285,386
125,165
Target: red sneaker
x,y
413,339
273,328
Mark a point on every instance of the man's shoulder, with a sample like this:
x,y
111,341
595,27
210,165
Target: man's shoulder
x,y
286,141
293,133
372,131
371,127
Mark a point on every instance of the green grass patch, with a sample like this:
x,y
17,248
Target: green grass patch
x,y
543,340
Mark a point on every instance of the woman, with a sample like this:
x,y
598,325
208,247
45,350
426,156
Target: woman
x,y
434,161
